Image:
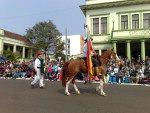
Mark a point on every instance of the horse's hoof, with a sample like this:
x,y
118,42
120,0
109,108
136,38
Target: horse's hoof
x,y
103,94
68,94
78,93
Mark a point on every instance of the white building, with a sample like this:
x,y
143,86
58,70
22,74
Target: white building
x,y
74,45
15,43
100,1
123,25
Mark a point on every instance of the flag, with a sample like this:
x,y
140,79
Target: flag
x,y
89,52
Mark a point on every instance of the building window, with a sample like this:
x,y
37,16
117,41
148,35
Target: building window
x,y
68,41
124,22
146,20
135,21
95,25
104,25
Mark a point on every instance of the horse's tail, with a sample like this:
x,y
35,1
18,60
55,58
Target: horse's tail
x,y
64,72
63,78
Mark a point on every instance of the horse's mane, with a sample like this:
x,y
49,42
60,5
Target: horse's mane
x,y
105,56
107,53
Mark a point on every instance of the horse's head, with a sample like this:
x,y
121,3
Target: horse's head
x,y
109,55
113,55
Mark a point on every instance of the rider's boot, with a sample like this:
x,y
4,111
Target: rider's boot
x,y
96,69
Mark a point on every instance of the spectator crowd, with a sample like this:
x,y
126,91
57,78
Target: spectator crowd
x,y
24,69
132,71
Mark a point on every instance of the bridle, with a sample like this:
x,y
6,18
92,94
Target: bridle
x,y
108,59
105,58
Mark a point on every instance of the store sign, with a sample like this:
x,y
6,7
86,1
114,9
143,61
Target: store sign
x,y
131,34
139,32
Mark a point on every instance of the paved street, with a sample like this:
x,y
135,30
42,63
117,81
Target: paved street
x,y
16,96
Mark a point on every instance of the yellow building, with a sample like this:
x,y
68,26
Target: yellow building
x,y
120,24
15,43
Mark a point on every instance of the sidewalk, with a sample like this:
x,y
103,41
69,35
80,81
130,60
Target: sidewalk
x,y
83,81
118,84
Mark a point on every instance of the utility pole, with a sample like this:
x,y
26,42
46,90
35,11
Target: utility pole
x,y
66,43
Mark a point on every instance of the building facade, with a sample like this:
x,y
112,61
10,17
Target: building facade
x,y
73,45
15,43
120,24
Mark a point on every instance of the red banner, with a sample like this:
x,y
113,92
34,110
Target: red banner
x,y
89,60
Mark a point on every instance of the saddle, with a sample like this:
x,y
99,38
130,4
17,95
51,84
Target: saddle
x,y
94,69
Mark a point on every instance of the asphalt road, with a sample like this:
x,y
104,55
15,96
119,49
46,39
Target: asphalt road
x,y
16,96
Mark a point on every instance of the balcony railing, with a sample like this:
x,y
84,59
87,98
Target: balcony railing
x,y
131,34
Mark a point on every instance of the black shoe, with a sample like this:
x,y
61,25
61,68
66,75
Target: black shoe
x,y
85,82
32,86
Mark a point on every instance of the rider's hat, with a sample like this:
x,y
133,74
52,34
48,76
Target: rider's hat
x,y
85,40
39,53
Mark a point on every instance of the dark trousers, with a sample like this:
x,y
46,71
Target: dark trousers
x,y
94,61
119,77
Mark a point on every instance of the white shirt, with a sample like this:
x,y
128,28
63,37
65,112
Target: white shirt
x,y
84,50
37,64
116,70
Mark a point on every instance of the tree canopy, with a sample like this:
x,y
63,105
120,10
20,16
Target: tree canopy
x,y
45,36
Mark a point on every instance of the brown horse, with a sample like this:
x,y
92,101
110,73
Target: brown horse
x,y
73,67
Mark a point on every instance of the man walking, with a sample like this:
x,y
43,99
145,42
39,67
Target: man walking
x,y
39,68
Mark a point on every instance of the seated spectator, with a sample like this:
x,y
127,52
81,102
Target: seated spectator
x,y
120,75
49,71
55,71
16,73
7,72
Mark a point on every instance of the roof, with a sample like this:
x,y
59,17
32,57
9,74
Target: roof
x,y
17,37
84,8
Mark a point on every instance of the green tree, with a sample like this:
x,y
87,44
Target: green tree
x,y
11,56
58,51
45,36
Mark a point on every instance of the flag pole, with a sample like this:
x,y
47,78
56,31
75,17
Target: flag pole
x,y
66,45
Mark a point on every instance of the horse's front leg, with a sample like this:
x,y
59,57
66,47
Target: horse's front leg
x,y
67,87
101,88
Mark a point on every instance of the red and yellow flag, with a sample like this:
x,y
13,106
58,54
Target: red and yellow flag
x,y
89,60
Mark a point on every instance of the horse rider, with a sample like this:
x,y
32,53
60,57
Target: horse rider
x,y
95,62
39,68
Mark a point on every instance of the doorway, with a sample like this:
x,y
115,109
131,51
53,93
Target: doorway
x,y
135,50
121,49
147,48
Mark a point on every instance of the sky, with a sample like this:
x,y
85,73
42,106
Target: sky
x,y
18,15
